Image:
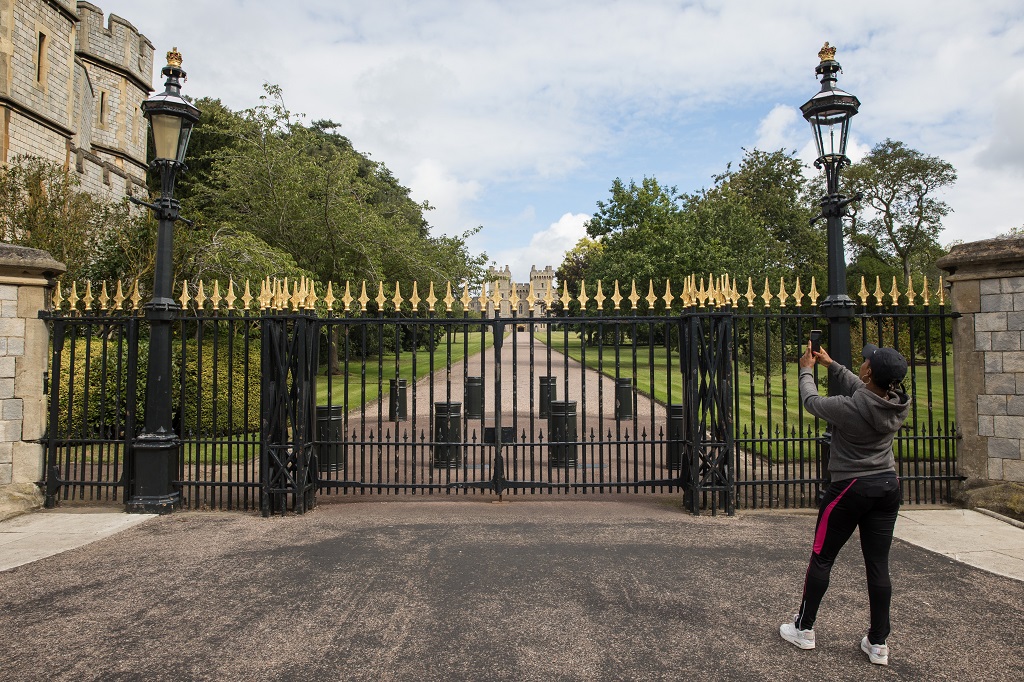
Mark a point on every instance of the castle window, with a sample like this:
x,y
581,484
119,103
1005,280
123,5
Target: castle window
x,y
104,109
41,63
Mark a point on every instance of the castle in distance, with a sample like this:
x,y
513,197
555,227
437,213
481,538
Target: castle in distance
x,y
70,90
542,281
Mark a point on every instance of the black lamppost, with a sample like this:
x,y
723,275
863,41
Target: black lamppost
x,y
829,113
156,448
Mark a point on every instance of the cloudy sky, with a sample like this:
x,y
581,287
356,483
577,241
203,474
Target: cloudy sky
x,y
517,115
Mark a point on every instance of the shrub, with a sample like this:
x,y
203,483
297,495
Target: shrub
x,y
93,404
223,387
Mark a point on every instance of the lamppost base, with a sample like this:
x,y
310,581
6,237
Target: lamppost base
x,y
163,504
154,470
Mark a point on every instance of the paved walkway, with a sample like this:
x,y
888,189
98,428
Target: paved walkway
x,y
961,535
632,588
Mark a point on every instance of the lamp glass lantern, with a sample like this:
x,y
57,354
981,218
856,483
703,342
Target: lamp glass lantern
x,y
171,133
829,113
170,117
830,110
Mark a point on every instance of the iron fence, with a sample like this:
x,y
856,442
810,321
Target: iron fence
x,y
289,399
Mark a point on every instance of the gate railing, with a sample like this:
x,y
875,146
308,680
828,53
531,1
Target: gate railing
x,y
290,394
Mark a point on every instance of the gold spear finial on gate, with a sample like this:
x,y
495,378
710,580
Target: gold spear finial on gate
x,y
894,294
414,297
449,300
247,296
119,296
863,293
798,295
215,298
329,298
767,295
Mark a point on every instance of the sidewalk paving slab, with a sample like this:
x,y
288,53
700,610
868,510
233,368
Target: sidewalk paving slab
x,y
967,536
35,536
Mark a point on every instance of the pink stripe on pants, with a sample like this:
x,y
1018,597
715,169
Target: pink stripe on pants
x,y
819,533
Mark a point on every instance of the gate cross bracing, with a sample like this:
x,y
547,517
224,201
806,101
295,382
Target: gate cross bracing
x,y
278,408
522,416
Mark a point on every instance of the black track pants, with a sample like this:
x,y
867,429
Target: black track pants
x,y
871,504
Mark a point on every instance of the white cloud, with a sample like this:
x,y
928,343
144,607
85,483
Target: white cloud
x,y
432,182
467,98
547,246
778,130
1005,148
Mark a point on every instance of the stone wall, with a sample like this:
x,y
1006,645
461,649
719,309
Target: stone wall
x,y
986,283
25,277
73,98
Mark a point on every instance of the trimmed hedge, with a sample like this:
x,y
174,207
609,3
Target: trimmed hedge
x,y
95,405
224,388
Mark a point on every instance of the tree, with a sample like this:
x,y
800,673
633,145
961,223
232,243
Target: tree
x,y
305,190
752,222
899,219
43,207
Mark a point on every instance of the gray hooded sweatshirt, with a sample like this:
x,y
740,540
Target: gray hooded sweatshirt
x,y
863,423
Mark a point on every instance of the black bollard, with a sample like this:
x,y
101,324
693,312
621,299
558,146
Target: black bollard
x,y
548,392
623,398
447,435
562,433
474,397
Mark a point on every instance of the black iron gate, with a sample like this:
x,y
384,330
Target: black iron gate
x,y
692,395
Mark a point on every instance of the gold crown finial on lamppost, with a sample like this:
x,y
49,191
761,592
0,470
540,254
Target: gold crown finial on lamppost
x,y
174,57
827,53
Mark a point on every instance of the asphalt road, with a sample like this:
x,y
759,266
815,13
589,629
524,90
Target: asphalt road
x,y
630,588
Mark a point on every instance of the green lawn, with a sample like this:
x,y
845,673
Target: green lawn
x,y
756,409
353,390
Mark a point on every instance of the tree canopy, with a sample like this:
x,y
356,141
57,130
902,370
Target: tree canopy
x,y
269,196
752,222
304,189
899,219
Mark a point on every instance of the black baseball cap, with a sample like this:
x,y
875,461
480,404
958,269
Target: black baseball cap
x,y
887,365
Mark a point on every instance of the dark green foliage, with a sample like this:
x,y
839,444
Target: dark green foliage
x,y
220,397
94,391
753,222
43,207
305,190
96,405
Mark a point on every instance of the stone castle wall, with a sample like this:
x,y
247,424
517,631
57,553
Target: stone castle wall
x,y
987,288
25,278
541,280
70,89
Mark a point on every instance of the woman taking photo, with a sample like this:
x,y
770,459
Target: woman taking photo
x,y
865,414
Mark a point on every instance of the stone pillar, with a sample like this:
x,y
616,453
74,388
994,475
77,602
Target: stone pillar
x,y
25,277
986,285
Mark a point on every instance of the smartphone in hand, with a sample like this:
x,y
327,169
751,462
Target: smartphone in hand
x,y
816,340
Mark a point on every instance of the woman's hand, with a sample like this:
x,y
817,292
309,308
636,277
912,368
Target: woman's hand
x,y
823,358
808,358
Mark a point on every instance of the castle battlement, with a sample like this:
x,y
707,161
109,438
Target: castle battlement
x,y
115,44
541,281
71,82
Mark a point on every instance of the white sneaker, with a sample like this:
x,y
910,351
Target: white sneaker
x,y
877,653
803,639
